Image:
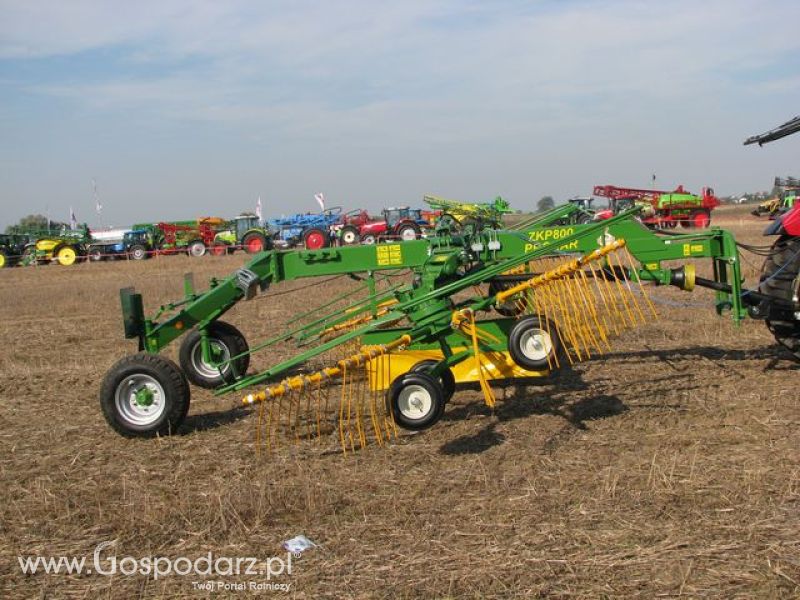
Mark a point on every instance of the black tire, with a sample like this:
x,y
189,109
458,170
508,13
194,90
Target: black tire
x,y
507,309
416,401
137,252
532,340
406,230
316,231
248,242
95,254
780,278
584,219
196,248
169,400
229,340
369,239
349,235
447,380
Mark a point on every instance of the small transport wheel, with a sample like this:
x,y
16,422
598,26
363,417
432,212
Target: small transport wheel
x,y
531,341
408,232
254,243
446,379
218,249
368,239
349,235
314,239
137,252
416,401
144,395
67,256
95,255
196,249
226,341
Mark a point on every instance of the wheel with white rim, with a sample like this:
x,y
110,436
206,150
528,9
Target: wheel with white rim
x,y
446,379
408,232
416,401
144,395
225,342
533,343
349,235
368,239
196,249
137,252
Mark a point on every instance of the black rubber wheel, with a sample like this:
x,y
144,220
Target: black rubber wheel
x,y
408,232
446,379
228,341
315,238
531,341
780,277
255,242
95,255
507,309
137,252
349,235
584,219
416,401
144,395
196,249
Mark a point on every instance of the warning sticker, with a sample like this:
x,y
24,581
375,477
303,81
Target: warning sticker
x,y
389,254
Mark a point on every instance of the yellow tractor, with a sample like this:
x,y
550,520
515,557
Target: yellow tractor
x,y
767,207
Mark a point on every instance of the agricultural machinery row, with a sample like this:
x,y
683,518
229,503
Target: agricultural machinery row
x,y
471,304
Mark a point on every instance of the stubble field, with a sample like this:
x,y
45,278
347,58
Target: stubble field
x,y
669,466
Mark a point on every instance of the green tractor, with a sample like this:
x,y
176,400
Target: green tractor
x,y
246,232
12,247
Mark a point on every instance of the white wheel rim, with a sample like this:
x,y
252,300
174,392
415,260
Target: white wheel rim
x,y
349,237
197,250
536,344
205,369
131,409
369,240
408,234
138,253
414,402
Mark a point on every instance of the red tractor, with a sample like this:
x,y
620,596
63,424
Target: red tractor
x,y
192,239
780,275
404,223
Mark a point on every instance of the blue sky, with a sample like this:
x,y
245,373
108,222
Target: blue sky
x,y
182,108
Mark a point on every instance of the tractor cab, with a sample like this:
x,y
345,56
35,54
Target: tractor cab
x,y
140,237
582,202
394,215
245,223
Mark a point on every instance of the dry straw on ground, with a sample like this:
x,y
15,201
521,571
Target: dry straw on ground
x,y
668,467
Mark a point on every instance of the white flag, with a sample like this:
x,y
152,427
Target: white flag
x,y
320,198
73,222
97,206
258,209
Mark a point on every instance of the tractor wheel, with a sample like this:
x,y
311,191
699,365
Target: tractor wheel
x,y
137,252
218,249
4,262
507,309
226,341
95,255
144,395
701,219
349,235
780,277
584,219
416,401
67,255
254,243
531,341
408,232
196,249
314,239
446,379
368,239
